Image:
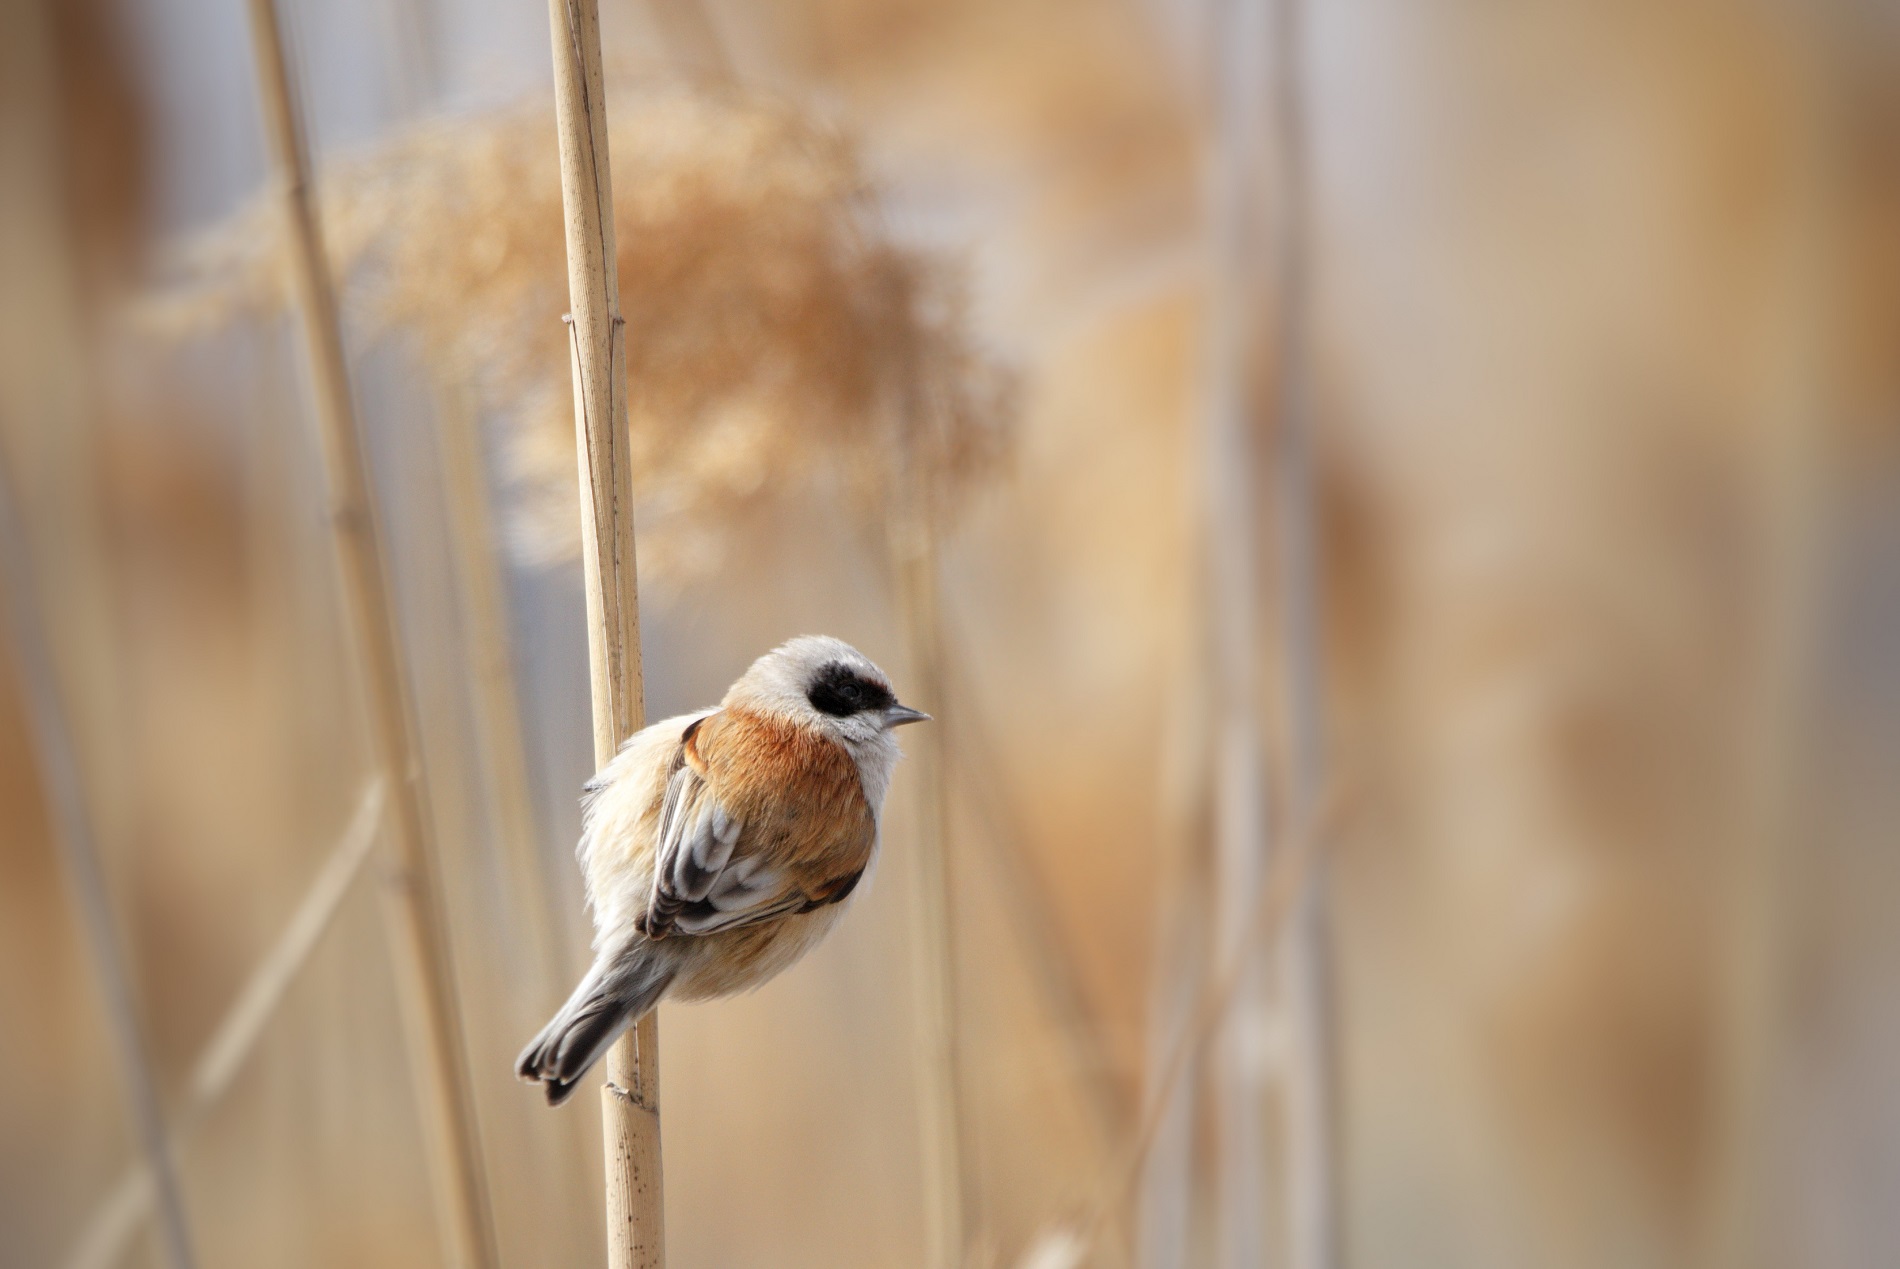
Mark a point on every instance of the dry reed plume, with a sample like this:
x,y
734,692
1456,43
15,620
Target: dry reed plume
x,y
772,327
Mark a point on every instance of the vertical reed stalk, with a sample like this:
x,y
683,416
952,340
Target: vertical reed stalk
x,y
72,833
412,903
932,946
481,591
1262,921
1165,1204
630,1101
1312,1201
1743,1224
1234,627
560,1150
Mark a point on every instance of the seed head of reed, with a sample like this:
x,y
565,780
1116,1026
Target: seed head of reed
x,y
779,344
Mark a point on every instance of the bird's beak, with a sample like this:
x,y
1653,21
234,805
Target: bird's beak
x,y
898,715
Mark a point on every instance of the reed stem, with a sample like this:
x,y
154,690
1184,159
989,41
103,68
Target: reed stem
x,y
412,905
630,1101
1312,1170
481,591
1743,1223
933,950
1234,625
1164,1208
1264,918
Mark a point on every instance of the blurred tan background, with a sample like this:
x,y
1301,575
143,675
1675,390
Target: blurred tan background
x,y
1605,311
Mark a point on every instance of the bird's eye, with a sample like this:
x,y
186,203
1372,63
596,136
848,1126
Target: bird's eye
x,y
837,690
834,691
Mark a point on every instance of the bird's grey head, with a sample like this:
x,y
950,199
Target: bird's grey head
x,y
828,684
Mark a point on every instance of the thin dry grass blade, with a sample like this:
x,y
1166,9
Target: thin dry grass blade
x,y
244,1021
109,1231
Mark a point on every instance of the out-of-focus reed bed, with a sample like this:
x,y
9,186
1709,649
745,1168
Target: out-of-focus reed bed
x,y
1565,257
1607,296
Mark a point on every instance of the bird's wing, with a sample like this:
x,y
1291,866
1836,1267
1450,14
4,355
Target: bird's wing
x,y
757,821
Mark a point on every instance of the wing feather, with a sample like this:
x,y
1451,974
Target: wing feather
x,y
732,851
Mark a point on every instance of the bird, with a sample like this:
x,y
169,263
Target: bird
x,y
718,847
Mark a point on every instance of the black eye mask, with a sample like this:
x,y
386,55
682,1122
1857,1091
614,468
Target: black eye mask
x,y
840,691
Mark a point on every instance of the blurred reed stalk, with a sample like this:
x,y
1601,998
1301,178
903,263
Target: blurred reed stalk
x,y
1311,1167
1264,917
481,589
412,902
58,760
1029,894
913,544
481,594
1742,1224
115,1221
1164,1209
1233,620
478,563
630,1100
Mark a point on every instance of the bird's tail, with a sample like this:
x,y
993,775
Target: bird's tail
x,y
615,994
